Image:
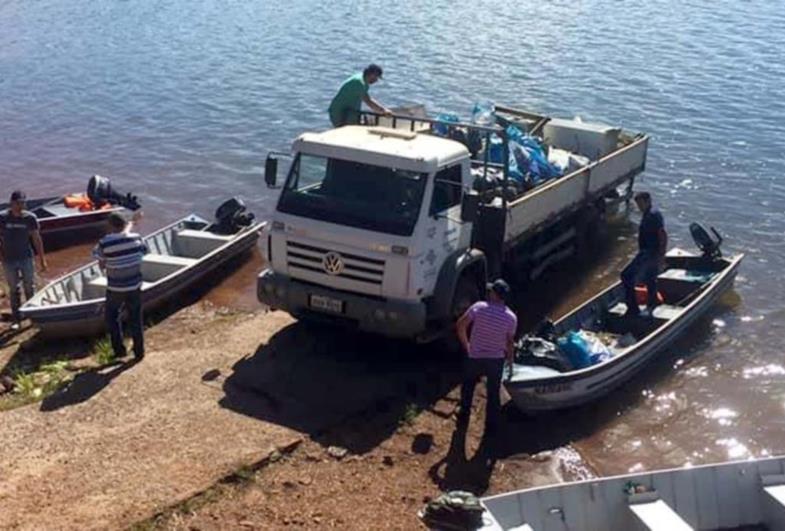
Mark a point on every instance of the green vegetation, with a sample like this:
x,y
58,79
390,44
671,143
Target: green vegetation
x,y
103,351
409,415
34,385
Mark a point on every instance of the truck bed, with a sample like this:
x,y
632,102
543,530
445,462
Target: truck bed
x,y
564,195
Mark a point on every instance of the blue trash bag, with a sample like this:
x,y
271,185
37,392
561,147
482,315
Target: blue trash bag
x,y
496,150
442,129
576,349
527,157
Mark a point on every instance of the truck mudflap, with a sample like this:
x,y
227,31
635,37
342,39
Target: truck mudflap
x,y
392,318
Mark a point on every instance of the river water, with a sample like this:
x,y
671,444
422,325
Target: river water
x,y
179,102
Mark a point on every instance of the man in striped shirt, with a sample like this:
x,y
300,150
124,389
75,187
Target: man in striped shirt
x,y
120,255
493,327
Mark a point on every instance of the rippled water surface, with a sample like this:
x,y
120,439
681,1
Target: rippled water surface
x,y
179,101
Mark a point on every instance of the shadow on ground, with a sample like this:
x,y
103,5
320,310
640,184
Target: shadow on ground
x,y
84,386
311,378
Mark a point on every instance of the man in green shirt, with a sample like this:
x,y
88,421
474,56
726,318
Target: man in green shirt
x,y
345,107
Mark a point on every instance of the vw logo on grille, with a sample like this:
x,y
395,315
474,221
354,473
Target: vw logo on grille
x,y
332,263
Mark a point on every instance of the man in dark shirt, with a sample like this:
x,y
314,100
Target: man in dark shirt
x,y
652,244
18,228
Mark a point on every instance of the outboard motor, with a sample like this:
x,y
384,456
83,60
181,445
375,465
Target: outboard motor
x,y
101,191
232,215
710,247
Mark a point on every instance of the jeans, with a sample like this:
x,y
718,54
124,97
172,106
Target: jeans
x,y
644,267
131,301
492,369
15,271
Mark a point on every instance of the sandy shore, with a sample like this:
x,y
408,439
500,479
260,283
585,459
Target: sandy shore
x,y
324,427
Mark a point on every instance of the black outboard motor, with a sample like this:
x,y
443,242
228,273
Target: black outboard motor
x,y
710,247
232,215
101,191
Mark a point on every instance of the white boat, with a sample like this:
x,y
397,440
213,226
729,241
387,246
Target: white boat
x,y
742,495
690,284
179,256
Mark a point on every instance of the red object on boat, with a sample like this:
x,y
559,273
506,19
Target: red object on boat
x,y
642,296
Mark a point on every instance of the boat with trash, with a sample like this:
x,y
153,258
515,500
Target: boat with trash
x,y
180,255
598,347
77,215
744,495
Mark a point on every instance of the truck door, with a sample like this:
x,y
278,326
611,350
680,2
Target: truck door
x,y
444,233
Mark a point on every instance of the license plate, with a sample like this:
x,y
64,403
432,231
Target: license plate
x,y
326,304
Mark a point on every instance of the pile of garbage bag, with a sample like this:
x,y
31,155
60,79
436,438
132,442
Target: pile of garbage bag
x,y
584,349
575,349
457,510
528,162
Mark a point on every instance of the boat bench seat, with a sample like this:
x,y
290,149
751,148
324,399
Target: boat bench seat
x,y
96,288
658,516
158,266
774,501
666,312
197,243
676,284
618,323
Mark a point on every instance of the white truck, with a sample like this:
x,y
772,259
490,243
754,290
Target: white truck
x,y
382,228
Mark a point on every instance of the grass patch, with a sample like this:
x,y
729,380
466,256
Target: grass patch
x,y
409,414
32,386
103,351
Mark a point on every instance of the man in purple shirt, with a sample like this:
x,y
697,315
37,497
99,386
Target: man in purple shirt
x,y
493,327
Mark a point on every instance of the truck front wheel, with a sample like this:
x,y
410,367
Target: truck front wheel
x,y
467,292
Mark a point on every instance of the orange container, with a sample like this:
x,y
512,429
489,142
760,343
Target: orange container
x,y
77,201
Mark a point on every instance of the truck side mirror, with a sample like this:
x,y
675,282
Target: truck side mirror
x,y
271,171
470,203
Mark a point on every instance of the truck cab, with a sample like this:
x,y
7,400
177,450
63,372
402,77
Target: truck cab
x,y
365,218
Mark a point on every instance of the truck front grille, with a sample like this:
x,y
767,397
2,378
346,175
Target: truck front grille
x,y
353,267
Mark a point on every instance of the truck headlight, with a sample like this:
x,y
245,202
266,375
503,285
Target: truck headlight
x,y
378,314
280,292
269,288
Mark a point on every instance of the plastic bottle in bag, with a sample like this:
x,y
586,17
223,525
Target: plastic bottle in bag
x,y
482,114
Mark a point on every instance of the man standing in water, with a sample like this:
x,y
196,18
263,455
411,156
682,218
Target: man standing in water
x,y
345,107
652,244
18,228
120,255
493,327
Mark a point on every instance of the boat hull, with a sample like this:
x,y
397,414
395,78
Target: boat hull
x,y
65,225
581,387
86,318
727,495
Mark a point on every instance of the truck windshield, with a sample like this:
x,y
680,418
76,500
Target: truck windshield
x,y
354,194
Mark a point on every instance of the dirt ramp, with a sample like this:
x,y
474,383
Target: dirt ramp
x,y
117,445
